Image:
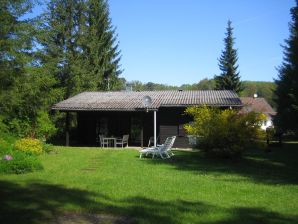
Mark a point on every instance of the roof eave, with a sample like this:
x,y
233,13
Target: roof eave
x,y
62,109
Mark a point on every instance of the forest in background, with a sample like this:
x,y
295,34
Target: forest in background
x,y
263,89
69,48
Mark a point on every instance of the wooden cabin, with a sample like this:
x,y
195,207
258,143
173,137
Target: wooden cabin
x,y
124,112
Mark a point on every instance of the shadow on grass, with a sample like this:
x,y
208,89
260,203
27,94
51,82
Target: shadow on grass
x,y
280,166
36,201
245,215
46,203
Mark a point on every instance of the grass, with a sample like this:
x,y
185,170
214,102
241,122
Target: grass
x,y
89,185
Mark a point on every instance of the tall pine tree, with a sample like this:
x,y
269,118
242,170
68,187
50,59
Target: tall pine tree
x,y
15,43
287,84
59,39
101,47
24,90
229,78
79,46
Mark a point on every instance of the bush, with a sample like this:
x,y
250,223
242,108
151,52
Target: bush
x,y
48,148
3,126
20,127
45,128
29,145
19,156
20,163
6,143
224,133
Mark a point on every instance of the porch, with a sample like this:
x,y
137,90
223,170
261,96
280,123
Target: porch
x,y
119,113
139,125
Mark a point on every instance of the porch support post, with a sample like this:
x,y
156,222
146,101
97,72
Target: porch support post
x,y
67,121
154,128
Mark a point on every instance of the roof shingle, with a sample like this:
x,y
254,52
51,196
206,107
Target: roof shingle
x,y
132,101
258,104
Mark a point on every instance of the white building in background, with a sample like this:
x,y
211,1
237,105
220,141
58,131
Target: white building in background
x,y
258,104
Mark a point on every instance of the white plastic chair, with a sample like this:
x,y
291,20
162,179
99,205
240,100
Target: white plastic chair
x,y
164,150
122,141
103,142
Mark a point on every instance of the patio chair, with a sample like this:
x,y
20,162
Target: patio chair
x,y
122,141
103,142
164,150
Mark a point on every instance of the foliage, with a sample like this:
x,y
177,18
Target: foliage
x,y
229,79
49,148
263,89
20,163
14,44
20,126
82,51
287,83
29,145
25,87
4,145
44,126
149,86
224,132
6,142
49,58
206,84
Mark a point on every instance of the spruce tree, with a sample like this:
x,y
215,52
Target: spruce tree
x,y
79,46
229,78
287,84
100,49
25,89
14,41
60,51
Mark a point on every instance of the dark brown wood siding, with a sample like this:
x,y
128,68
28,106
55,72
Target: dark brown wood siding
x,y
118,124
171,121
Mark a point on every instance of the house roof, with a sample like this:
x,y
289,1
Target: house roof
x,y
132,101
258,104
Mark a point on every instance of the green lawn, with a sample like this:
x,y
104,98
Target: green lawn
x,y
89,185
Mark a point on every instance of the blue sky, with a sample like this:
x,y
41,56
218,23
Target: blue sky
x,y
179,41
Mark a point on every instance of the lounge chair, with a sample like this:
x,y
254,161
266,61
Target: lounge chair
x,y
122,141
164,150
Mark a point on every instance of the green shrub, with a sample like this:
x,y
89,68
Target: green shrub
x,y
29,145
6,143
19,156
224,133
45,128
48,148
20,163
3,126
20,128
